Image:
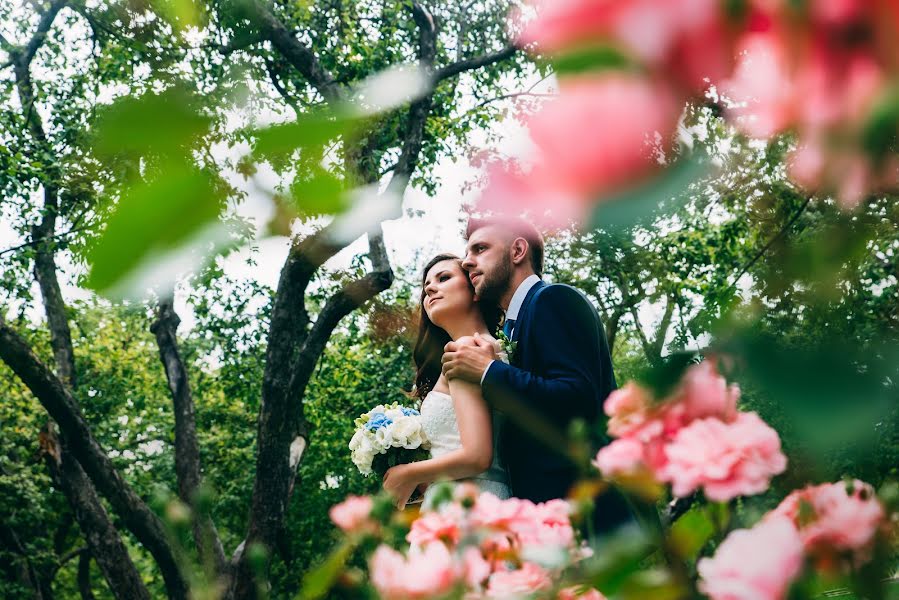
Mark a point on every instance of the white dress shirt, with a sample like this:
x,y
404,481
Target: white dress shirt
x,y
514,307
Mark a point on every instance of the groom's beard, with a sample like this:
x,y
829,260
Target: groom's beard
x,y
493,285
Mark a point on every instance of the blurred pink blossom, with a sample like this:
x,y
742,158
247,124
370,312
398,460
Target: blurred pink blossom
x,y
628,409
522,582
596,136
830,518
753,564
353,514
622,457
434,526
705,393
425,574
686,38
475,568
726,460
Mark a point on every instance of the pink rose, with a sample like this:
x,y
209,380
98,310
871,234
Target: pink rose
x,y
622,457
830,518
475,568
725,459
435,526
353,514
549,527
619,123
424,574
753,564
628,409
705,393
505,515
523,582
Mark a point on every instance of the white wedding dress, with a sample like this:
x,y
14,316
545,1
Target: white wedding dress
x,y
438,418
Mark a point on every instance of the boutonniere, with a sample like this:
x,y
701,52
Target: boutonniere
x,y
506,346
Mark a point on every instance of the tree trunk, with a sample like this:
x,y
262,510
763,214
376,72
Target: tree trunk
x,y
103,540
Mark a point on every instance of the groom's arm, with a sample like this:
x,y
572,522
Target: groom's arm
x,y
565,332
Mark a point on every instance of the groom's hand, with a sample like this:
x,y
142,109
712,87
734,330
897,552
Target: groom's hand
x,y
467,360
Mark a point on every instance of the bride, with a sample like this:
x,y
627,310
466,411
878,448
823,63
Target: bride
x,y
458,423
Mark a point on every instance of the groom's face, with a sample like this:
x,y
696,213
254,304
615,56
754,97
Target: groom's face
x,y
489,262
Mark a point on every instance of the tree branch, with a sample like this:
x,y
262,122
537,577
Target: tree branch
x,y
104,543
187,448
474,63
58,401
297,54
84,577
770,243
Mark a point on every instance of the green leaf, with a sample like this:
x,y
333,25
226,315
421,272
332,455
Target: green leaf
x,y
152,218
158,124
319,581
691,532
666,192
312,130
590,58
320,194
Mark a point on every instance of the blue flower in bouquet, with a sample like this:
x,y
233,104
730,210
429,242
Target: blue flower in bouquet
x,y
378,420
410,412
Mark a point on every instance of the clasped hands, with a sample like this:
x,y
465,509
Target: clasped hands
x,y
468,357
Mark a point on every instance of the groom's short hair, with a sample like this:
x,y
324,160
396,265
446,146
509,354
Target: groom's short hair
x,y
518,227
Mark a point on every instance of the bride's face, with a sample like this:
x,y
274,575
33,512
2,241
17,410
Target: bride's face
x,y
447,292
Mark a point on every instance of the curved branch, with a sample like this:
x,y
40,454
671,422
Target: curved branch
x,y
187,448
474,63
770,243
55,397
297,53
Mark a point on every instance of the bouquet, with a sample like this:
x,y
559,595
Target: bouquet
x,y
386,436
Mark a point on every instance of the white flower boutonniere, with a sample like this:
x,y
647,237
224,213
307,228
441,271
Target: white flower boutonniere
x,y
506,347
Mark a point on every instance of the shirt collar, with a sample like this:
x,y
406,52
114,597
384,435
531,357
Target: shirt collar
x,y
520,294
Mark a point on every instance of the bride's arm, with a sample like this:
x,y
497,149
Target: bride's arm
x,y
473,457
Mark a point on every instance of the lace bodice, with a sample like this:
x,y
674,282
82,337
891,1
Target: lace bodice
x,y
438,418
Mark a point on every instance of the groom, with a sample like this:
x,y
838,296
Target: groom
x,y
560,369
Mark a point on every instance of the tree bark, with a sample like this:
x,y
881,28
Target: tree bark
x,y
84,576
103,539
187,448
58,401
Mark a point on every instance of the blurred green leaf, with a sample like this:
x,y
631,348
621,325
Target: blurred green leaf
x,y
319,581
642,204
881,132
617,559
153,217
664,376
322,193
691,532
157,124
311,130
590,58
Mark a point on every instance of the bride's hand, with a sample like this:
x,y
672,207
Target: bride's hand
x,y
400,482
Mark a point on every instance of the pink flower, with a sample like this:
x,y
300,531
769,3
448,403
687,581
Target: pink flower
x,y
424,574
435,526
622,457
725,459
549,526
475,568
761,86
505,515
830,518
353,514
527,580
753,564
705,393
687,39
597,136
578,593
628,409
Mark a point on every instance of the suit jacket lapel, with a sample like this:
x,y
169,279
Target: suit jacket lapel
x,y
522,312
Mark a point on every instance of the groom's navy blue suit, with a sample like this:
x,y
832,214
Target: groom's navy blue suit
x,y
561,370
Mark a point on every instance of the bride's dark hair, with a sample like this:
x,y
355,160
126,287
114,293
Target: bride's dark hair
x,y
428,350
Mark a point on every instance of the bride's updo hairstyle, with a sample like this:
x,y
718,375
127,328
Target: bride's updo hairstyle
x,y
428,351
